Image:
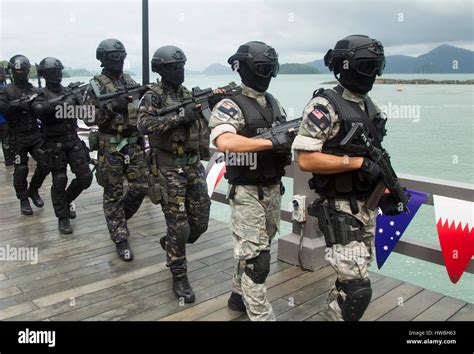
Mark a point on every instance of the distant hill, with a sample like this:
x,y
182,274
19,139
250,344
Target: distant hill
x,y
293,68
439,60
217,69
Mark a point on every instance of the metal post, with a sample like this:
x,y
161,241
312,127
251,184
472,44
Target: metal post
x,y
145,44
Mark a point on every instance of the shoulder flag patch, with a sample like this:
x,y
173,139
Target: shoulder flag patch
x,y
227,108
319,117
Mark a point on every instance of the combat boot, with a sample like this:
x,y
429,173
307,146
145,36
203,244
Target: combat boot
x,y
71,212
35,197
181,287
64,226
236,302
124,251
25,207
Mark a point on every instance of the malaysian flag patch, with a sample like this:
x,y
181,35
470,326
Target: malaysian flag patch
x,y
227,108
319,117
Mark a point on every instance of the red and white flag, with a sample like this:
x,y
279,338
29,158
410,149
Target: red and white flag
x,y
455,224
215,170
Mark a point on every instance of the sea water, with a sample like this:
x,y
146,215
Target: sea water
x,y
434,138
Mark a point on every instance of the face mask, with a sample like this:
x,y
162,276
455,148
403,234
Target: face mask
x,y
113,66
173,76
251,80
356,82
20,77
53,78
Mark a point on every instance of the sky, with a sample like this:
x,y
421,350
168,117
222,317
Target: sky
x,y
211,31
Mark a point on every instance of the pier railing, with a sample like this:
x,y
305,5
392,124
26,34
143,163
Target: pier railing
x,y
305,245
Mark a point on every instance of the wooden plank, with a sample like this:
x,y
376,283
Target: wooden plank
x,y
305,310
442,310
11,291
17,310
104,299
464,314
412,307
211,305
88,288
389,301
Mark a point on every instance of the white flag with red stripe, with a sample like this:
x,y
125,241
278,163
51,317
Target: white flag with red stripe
x,y
215,170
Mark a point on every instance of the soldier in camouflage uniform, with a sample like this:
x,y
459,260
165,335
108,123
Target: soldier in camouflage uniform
x,y
179,140
120,151
254,193
342,178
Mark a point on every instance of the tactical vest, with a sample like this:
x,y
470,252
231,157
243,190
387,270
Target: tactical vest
x,y
184,139
22,121
121,121
270,167
351,183
58,127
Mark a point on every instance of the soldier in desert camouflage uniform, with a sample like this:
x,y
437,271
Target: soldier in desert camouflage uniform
x,y
179,140
254,193
342,178
120,153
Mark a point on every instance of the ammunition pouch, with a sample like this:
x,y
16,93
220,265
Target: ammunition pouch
x,y
337,227
157,191
94,140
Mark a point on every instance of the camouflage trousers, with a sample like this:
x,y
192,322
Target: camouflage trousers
x,y
351,261
254,223
113,168
186,211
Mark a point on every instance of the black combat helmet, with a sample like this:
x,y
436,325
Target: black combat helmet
x,y
364,55
19,67
357,59
51,69
168,61
111,53
256,63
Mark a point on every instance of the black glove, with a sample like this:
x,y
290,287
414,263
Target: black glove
x,y
215,99
370,170
389,205
281,143
190,114
120,103
19,106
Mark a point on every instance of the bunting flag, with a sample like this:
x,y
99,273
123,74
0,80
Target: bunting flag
x,y
455,222
215,170
389,229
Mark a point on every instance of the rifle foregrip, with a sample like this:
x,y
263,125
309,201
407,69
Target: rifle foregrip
x,y
372,201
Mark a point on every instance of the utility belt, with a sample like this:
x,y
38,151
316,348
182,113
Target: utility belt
x,y
337,227
259,187
62,138
99,140
119,132
26,128
166,159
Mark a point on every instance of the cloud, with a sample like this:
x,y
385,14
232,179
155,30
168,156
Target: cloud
x,y
210,31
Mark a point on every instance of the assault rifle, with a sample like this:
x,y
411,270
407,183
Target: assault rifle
x,y
200,96
291,128
382,159
136,90
76,90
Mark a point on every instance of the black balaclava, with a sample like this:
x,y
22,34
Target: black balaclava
x,y
250,79
20,78
113,67
356,82
53,79
170,76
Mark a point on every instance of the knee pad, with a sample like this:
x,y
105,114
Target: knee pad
x,y
182,232
21,171
84,181
258,268
358,295
59,180
196,232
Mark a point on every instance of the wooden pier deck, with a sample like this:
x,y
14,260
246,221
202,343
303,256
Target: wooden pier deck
x,y
79,276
